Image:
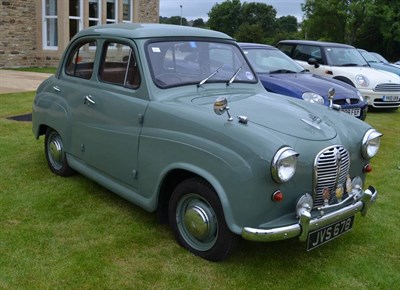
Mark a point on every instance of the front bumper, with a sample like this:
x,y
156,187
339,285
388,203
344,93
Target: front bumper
x,y
306,224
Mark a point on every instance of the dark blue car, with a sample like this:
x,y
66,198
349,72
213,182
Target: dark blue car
x,y
282,75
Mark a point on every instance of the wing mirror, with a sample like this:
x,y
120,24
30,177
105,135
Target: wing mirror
x,y
314,62
221,106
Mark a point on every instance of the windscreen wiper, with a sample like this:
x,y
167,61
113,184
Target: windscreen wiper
x,y
210,76
234,76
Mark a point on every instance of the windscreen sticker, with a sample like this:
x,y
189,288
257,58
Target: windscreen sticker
x,y
249,75
193,44
156,49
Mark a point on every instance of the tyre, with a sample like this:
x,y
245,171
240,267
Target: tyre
x,y
197,220
55,154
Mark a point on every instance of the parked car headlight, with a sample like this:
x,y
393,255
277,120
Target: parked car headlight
x,y
284,164
362,80
313,98
360,96
370,143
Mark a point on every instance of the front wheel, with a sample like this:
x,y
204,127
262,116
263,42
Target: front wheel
x,y
197,220
55,154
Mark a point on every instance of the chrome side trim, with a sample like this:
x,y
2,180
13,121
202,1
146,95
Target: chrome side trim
x,y
306,225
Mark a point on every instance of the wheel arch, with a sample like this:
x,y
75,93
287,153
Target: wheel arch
x,y
175,176
345,80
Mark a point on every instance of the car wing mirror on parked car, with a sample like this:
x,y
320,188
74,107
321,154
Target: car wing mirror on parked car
x,y
314,62
221,106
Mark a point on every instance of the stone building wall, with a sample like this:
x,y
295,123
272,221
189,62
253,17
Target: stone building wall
x,y
17,33
149,11
21,31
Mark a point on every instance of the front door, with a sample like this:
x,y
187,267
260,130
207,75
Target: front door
x,y
108,113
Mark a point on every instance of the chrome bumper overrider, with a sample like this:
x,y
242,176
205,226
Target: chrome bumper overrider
x,y
306,225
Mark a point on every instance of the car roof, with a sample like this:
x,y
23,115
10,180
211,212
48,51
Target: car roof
x,y
316,43
150,30
256,45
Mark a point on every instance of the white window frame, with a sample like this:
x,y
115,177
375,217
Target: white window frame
x,y
45,19
98,19
115,20
130,12
79,18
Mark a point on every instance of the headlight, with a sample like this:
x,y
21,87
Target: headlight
x,y
313,98
370,143
360,96
284,164
362,80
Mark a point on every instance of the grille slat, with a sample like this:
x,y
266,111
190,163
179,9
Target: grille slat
x,y
388,87
331,168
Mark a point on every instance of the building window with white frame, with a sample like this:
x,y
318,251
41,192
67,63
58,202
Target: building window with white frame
x,y
127,6
112,11
94,12
50,25
75,17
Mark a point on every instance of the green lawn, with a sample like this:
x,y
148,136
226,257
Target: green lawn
x,y
58,233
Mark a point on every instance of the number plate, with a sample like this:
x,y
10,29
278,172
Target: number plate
x,y
390,98
328,233
354,112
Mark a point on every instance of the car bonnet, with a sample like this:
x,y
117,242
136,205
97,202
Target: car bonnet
x,y
282,114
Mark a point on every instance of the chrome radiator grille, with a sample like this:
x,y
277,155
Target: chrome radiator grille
x,y
388,87
331,168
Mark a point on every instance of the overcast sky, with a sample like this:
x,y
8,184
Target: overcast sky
x,y
193,9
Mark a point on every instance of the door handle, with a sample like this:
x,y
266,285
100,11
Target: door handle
x,y
89,101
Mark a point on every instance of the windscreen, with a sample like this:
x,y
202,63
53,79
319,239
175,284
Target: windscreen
x,y
178,63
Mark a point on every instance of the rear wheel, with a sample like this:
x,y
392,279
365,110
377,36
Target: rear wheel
x,y
55,154
198,222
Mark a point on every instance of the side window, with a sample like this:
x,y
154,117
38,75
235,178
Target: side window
x,y
119,66
81,59
305,52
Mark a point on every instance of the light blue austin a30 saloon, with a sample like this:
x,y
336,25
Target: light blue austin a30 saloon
x,y
175,120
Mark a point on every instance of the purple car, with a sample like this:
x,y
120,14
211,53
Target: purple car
x,y
282,75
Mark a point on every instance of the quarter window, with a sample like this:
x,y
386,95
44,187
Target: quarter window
x,y
81,59
50,25
119,66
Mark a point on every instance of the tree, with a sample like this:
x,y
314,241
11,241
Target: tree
x,y
287,23
261,14
250,33
253,22
199,22
174,20
224,17
369,24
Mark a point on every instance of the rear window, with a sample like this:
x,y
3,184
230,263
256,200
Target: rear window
x,y
119,66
